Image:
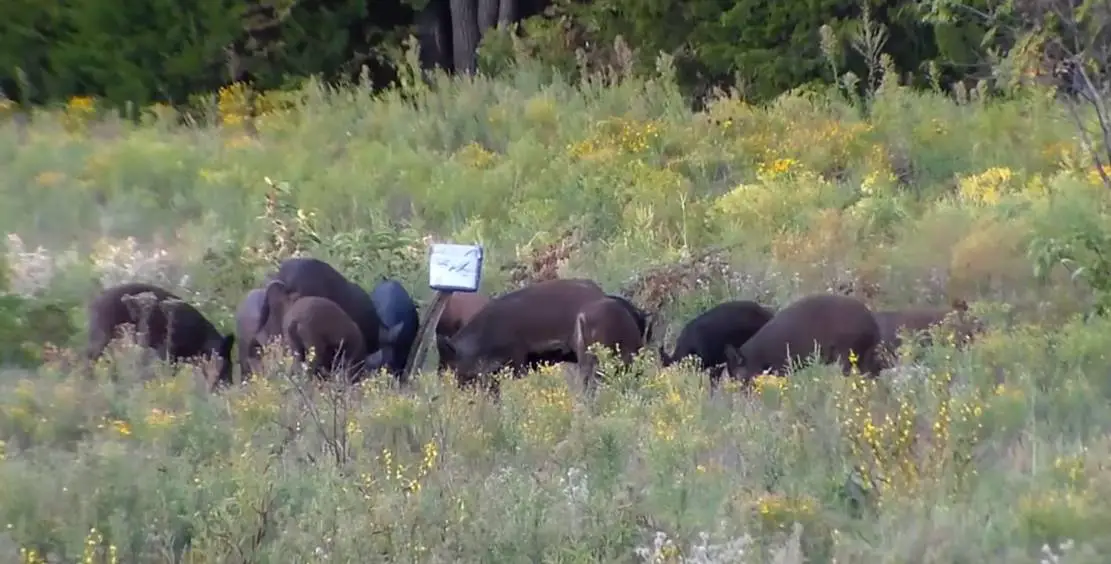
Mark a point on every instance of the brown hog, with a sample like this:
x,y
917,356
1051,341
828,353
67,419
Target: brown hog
x,y
312,322
922,322
646,322
458,311
308,276
175,330
606,322
247,317
535,320
839,325
645,326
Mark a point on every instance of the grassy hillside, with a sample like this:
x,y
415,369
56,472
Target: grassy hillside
x,y
996,453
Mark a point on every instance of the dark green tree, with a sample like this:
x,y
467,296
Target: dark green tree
x,y
28,30
143,50
771,46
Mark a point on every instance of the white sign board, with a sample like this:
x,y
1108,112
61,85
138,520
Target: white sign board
x,y
455,268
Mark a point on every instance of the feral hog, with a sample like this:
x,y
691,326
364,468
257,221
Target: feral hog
x,y
535,320
609,323
922,322
837,324
247,317
314,277
642,318
706,337
174,329
396,310
312,322
462,307
458,311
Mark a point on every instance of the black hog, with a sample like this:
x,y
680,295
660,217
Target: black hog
x,y
312,322
174,330
706,337
247,318
839,325
458,311
609,323
396,310
314,277
536,320
921,322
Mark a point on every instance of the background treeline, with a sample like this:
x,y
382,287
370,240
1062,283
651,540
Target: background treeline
x,y
143,51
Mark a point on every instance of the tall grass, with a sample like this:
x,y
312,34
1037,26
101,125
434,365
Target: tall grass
x,y
995,453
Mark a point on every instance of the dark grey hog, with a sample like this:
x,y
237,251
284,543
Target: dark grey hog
x,y
838,324
247,318
396,310
313,323
172,328
537,320
609,323
313,277
706,337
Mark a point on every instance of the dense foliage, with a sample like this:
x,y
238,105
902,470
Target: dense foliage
x,y
155,50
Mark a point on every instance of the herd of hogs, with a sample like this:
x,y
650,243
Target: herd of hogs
x,y
309,305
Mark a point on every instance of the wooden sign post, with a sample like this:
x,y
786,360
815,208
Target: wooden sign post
x,y
451,268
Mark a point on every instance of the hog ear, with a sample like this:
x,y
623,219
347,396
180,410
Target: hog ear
x,y
960,305
273,301
274,294
276,289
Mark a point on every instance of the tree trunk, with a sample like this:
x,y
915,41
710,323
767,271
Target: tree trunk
x,y
487,15
464,35
433,34
507,12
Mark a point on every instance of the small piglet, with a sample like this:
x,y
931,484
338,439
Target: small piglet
x,y
313,323
607,322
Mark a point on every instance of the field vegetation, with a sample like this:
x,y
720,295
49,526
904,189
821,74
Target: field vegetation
x,y
995,453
